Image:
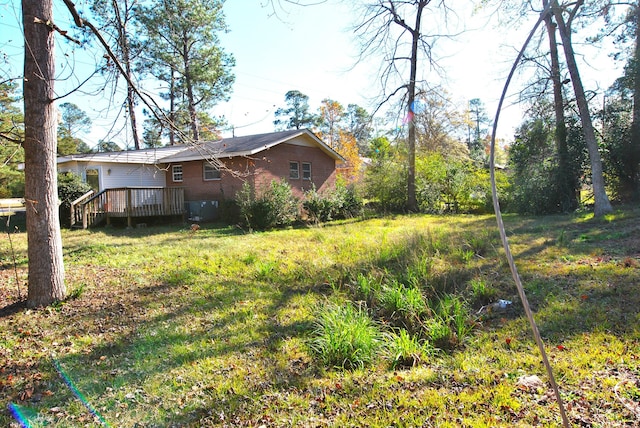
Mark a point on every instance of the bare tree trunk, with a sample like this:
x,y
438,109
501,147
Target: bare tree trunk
x,y
412,204
131,104
123,42
567,183
602,205
46,268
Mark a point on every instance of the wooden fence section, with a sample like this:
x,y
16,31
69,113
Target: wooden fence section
x,y
129,202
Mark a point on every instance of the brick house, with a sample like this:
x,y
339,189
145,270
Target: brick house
x,y
217,170
212,171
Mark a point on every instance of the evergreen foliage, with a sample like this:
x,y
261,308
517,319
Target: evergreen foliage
x,y
535,173
296,115
267,208
11,134
70,188
621,155
338,203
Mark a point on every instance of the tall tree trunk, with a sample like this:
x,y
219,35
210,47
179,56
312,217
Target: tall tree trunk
x,y
46,268
193,115
172,109
412,203
602,205
635,123
123,42
567,182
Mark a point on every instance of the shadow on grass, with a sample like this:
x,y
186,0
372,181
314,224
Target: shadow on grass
x,y
219,333
191,353
13,309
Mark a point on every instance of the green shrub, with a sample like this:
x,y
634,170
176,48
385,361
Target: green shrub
x,y
317,207
443,184
346,203
268,208
345,337
338,203
70,188
385,184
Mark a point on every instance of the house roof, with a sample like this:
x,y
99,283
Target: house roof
x,y
250,145
144,156
227,147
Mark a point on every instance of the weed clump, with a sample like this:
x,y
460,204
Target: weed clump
x,y
346,337
405,350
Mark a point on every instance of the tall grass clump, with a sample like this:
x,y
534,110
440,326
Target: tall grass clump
x,y
481,293
404,306
366,287
405,350
345,337
451,322
481,242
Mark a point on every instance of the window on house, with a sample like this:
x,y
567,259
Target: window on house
x,y
306,171
294,170
176,172
211,172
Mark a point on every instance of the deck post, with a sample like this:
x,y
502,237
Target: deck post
x,y
107,207
129,220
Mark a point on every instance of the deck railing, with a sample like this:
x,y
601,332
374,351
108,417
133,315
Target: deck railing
x,y
129,202
77,212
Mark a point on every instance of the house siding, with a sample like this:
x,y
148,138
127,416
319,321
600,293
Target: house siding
x,y
259,170
113,175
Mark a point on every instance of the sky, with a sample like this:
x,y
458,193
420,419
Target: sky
x,y
313,49
310,49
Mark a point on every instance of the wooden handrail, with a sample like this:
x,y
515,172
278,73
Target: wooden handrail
x,y
81,198
129,202
76,208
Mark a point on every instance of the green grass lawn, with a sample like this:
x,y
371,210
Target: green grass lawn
x,y
173,328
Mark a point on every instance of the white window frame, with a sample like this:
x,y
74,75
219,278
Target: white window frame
x,y
306,175
294,173
207,167
177,173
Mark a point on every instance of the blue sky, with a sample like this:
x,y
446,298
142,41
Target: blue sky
x,y
309,49
313,50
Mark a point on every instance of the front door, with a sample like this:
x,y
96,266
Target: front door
x,y
92,178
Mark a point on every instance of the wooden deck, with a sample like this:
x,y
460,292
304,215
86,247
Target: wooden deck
x,y
126,202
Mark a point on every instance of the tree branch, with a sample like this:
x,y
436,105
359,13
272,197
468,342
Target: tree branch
x,y
155,108
503,234
54,27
